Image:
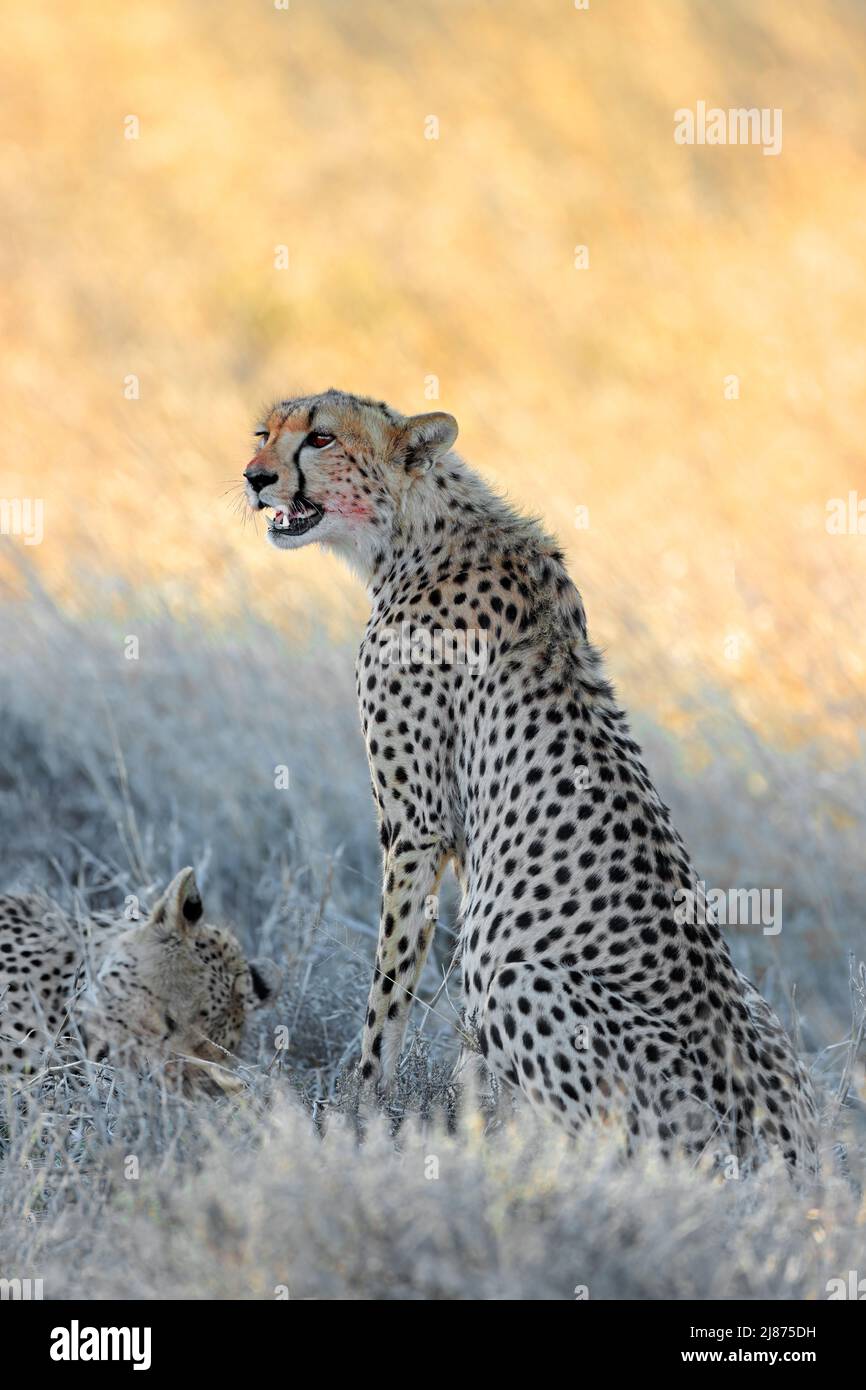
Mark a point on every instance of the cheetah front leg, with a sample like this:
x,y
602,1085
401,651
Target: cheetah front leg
x,y
411,878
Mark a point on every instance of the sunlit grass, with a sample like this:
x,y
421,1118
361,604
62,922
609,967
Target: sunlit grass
x,y
411,258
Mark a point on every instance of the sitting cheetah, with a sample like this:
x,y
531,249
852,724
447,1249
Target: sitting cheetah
x,y
168,987
495,742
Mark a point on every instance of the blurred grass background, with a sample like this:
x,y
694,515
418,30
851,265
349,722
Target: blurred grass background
x,y
411,258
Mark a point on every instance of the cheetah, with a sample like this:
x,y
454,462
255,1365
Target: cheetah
x,y
496,743
168,987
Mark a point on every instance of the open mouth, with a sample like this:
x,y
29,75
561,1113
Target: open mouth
x,y
295,520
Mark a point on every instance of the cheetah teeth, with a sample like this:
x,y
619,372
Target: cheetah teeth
x,y
297,514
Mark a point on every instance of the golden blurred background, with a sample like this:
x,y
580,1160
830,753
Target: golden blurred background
x,y
147,316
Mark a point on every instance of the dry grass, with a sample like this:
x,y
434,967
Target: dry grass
x,y
249,1203
114,772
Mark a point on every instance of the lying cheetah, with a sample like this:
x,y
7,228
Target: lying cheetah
x,y
495,741
168,987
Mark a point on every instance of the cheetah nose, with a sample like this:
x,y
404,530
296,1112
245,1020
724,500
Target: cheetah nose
x,y
259,478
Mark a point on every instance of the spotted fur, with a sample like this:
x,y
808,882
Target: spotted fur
x,y
587,991
168,987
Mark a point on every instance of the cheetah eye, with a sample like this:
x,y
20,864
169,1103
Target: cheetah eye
x,y
261,436
319,440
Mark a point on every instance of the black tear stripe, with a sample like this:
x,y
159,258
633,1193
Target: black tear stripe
x,y
297,462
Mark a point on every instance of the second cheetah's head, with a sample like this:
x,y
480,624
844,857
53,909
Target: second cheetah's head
x,y
175,987
337,468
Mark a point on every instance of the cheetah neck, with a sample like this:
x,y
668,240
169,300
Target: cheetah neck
x,y
450,523
451,514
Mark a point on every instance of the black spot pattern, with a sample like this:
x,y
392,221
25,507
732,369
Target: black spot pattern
x,y
185,989
520,768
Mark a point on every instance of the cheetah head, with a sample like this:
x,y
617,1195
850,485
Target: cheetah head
x,y
172,987
338,469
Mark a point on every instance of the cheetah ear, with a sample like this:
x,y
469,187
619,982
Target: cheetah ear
x,y
180,905
267,978
423,439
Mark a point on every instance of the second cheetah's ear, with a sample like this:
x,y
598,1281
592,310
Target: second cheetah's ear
x,y
180,905
267,979
423,438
